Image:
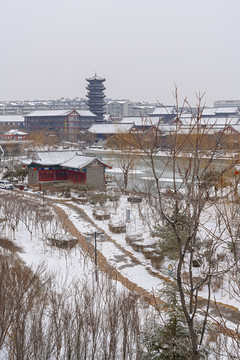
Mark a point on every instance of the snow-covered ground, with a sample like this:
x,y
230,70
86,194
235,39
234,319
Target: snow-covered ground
x,y
70,265
137,273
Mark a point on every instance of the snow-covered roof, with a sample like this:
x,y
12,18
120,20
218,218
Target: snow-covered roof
x,y
107,117
213,121
115,128
141,121
209,111
49,157
222,121
186,115
117,102
131,119
144,107
81,161
59,113
121,101
95,77
49,113
85,113
212,125
163,110
69,159
15,132
11,118
227,110
155,120
236,128
182,129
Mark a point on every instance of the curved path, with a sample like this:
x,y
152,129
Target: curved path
x,y
227,311
102,261
217,309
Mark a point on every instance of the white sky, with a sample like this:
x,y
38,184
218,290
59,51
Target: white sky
x,y
142,47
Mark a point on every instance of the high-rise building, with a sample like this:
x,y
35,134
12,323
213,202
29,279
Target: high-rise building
x,y
96,96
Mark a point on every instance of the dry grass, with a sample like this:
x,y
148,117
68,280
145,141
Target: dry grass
x,y
9,245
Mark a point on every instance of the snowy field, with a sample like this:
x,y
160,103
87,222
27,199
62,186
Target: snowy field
x,y
74,266
70,265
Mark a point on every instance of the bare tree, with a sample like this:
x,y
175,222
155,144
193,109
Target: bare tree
x,y
128,155
190,212
19,287
84,321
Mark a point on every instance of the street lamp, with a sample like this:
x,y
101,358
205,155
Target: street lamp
x,y
89,238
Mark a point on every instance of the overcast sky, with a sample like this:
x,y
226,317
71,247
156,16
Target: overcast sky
x,y
142,47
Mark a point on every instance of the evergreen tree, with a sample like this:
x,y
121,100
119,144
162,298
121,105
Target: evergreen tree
x,y
169,340
167,244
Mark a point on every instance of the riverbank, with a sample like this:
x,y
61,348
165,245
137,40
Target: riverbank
x,y
218,155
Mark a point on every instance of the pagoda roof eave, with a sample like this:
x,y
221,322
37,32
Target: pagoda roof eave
x,y
95,77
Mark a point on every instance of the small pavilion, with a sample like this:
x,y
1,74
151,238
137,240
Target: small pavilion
x,y
58,166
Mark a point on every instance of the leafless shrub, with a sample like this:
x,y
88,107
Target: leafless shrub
x,y
9,245
20,288
89,320
216,283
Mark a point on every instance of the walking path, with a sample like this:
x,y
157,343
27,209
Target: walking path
x,y
103,264
122,265
227,311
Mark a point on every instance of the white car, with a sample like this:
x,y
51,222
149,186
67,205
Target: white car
x,y
5,184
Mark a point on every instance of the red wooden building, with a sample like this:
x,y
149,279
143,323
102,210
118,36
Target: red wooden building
x,y
14,135
56,166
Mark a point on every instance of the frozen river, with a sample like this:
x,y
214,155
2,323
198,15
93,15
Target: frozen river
x,y
141,176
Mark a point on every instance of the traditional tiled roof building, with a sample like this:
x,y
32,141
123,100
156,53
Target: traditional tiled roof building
x,y
11,121
61,122
55,166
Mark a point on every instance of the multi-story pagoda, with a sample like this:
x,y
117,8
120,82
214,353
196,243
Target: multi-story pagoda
x,y
96,96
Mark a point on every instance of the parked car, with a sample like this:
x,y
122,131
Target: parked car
x,y
5,184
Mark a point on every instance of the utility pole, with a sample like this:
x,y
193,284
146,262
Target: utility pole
x,y
95,246
89,238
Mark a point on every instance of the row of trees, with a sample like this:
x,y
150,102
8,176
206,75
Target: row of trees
x,y
83,322
15,209
87,321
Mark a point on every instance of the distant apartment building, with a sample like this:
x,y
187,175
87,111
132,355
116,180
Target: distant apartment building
x,y
118,109
27,106
227,103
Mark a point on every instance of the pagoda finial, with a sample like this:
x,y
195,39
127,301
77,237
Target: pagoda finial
x,y
95,73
